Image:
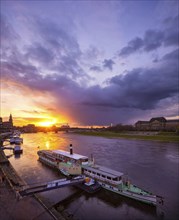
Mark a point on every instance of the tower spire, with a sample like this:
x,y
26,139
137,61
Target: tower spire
x,y
10,120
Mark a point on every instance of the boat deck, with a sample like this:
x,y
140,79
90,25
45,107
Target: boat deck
x,y
135,189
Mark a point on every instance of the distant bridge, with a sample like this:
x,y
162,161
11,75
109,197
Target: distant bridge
x,y
36,188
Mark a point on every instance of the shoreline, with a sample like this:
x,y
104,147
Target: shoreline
x,y
12,206
131,136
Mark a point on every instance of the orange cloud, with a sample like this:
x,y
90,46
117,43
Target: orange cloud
x,y
30,106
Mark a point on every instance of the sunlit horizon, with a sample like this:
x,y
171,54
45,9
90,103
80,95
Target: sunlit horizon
x,y
55,121
47,123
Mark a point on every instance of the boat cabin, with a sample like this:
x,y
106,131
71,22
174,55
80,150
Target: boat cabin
x,y
103,174
70,157
63,156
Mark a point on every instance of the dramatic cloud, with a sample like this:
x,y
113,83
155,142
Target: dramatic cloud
x,y
132,47
56,62
124,91
108,64
154,39
132,89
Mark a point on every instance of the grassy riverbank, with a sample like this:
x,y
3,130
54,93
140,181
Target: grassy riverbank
x,y
161,136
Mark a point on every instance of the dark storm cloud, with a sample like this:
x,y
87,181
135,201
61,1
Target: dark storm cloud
x,y
132,47
140,88
108,64
154,39
130,90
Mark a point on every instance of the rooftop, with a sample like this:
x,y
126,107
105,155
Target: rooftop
x,y
67,154
161,119
104,171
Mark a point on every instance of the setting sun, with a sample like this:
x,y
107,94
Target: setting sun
x,y
47,123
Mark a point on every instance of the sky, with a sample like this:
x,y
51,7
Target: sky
x,y
89,62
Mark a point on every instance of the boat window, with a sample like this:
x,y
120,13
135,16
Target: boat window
x,y
103,176
109,178
93,172
115,179
98,174
85,160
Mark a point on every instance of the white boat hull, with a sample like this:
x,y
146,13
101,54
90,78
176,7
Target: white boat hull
x,y
151,200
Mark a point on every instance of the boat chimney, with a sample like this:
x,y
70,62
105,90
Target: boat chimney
x,y
71,149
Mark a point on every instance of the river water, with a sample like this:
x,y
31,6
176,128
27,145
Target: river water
x,y
154,166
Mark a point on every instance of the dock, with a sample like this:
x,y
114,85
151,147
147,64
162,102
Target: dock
x,y
55,184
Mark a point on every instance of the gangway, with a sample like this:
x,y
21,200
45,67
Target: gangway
x,y
55,184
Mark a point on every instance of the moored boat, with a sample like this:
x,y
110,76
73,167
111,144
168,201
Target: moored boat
x,y
16,140
71,164
17,149
116,182
67,162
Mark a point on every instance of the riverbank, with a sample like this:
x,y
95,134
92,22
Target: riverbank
x,y
149,136
12,206
26,208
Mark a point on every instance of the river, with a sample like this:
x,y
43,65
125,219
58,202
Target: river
x,y
153,166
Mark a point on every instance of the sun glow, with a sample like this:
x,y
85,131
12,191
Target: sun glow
x,y
47,123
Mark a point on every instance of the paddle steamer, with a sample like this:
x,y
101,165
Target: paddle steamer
x,y
71,164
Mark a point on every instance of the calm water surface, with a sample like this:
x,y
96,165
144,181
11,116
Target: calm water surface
x,y
153,166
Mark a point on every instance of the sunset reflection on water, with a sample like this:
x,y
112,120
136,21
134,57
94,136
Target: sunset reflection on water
x,y
148,163
47,145
47,141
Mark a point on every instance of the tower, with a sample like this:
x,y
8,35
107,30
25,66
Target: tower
x,y
10,120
